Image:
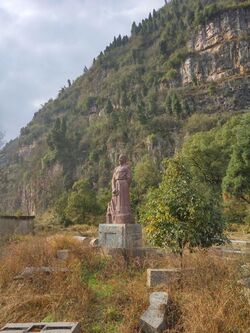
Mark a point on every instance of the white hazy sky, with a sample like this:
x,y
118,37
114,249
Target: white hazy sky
x,y
45,42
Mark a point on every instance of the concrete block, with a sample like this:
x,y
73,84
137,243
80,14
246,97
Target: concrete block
x,y
63,254
120,236
59,327
230,253
81,239
233,252
94,242
157,277
154,319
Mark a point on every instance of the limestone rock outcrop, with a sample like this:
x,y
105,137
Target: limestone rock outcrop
x,y
220,48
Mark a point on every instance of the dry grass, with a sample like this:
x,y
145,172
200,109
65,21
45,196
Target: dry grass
x,y
210,298
108,296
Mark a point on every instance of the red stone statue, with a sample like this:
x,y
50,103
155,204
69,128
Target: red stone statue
x,y
119,211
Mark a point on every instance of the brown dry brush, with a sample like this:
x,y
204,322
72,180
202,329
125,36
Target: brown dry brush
x,y
107,295
210,298
59,296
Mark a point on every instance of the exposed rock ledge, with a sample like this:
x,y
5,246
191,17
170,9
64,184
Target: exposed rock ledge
x,y
220,49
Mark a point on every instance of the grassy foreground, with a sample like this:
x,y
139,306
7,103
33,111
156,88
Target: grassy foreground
x,y
107,295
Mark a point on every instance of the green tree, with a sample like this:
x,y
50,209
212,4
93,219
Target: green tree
x,y
81,203
237,179
176,106
179,214
141,114
163,47
208,153
152,107
134,29
1,139
109,107
146,175
169,105
64,149
124,99
60,206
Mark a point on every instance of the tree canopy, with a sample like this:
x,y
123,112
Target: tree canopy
x,y
1,139
178,214
237,179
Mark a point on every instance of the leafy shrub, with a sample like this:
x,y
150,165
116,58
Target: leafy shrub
x,y
179,214
78,205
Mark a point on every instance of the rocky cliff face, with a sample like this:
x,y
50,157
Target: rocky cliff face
x,y
220,49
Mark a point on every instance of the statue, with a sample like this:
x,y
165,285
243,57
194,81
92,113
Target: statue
x,y
119,211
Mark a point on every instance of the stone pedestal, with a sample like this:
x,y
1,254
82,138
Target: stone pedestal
x,y
120,236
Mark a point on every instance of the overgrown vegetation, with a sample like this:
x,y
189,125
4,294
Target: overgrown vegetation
x,y
182,212
190,157
106,295
128,101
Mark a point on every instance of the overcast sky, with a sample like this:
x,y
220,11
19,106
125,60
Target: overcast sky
x,y
45,42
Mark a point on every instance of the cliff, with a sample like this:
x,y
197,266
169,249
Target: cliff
x,y
220,49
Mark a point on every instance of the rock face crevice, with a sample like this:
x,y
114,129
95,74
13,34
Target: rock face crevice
x,y
220,49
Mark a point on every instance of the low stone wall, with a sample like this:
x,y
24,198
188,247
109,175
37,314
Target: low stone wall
x,y
10,225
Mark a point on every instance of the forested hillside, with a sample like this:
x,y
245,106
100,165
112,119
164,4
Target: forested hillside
x,y
179,83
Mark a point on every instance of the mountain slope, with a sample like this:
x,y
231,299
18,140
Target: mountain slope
x,y
190,57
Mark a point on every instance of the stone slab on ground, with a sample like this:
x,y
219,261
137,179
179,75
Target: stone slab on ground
x,y
59,327
234,252
154,319
226,252
63,254
120,236
94,242
29,272
82,239
156,277
242,243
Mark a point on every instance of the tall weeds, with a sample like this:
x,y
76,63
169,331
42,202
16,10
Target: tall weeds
x,y
106,295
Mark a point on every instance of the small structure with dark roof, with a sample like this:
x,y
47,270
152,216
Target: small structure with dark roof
x,y
16,225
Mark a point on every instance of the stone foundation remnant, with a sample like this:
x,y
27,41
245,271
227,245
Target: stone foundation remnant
x,y
30,272
154,319
156,277
243,244
63,254
59,327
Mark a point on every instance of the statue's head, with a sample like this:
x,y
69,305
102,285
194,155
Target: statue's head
x,y
122,159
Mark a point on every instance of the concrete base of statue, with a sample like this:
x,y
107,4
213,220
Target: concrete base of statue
x,y
120,236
